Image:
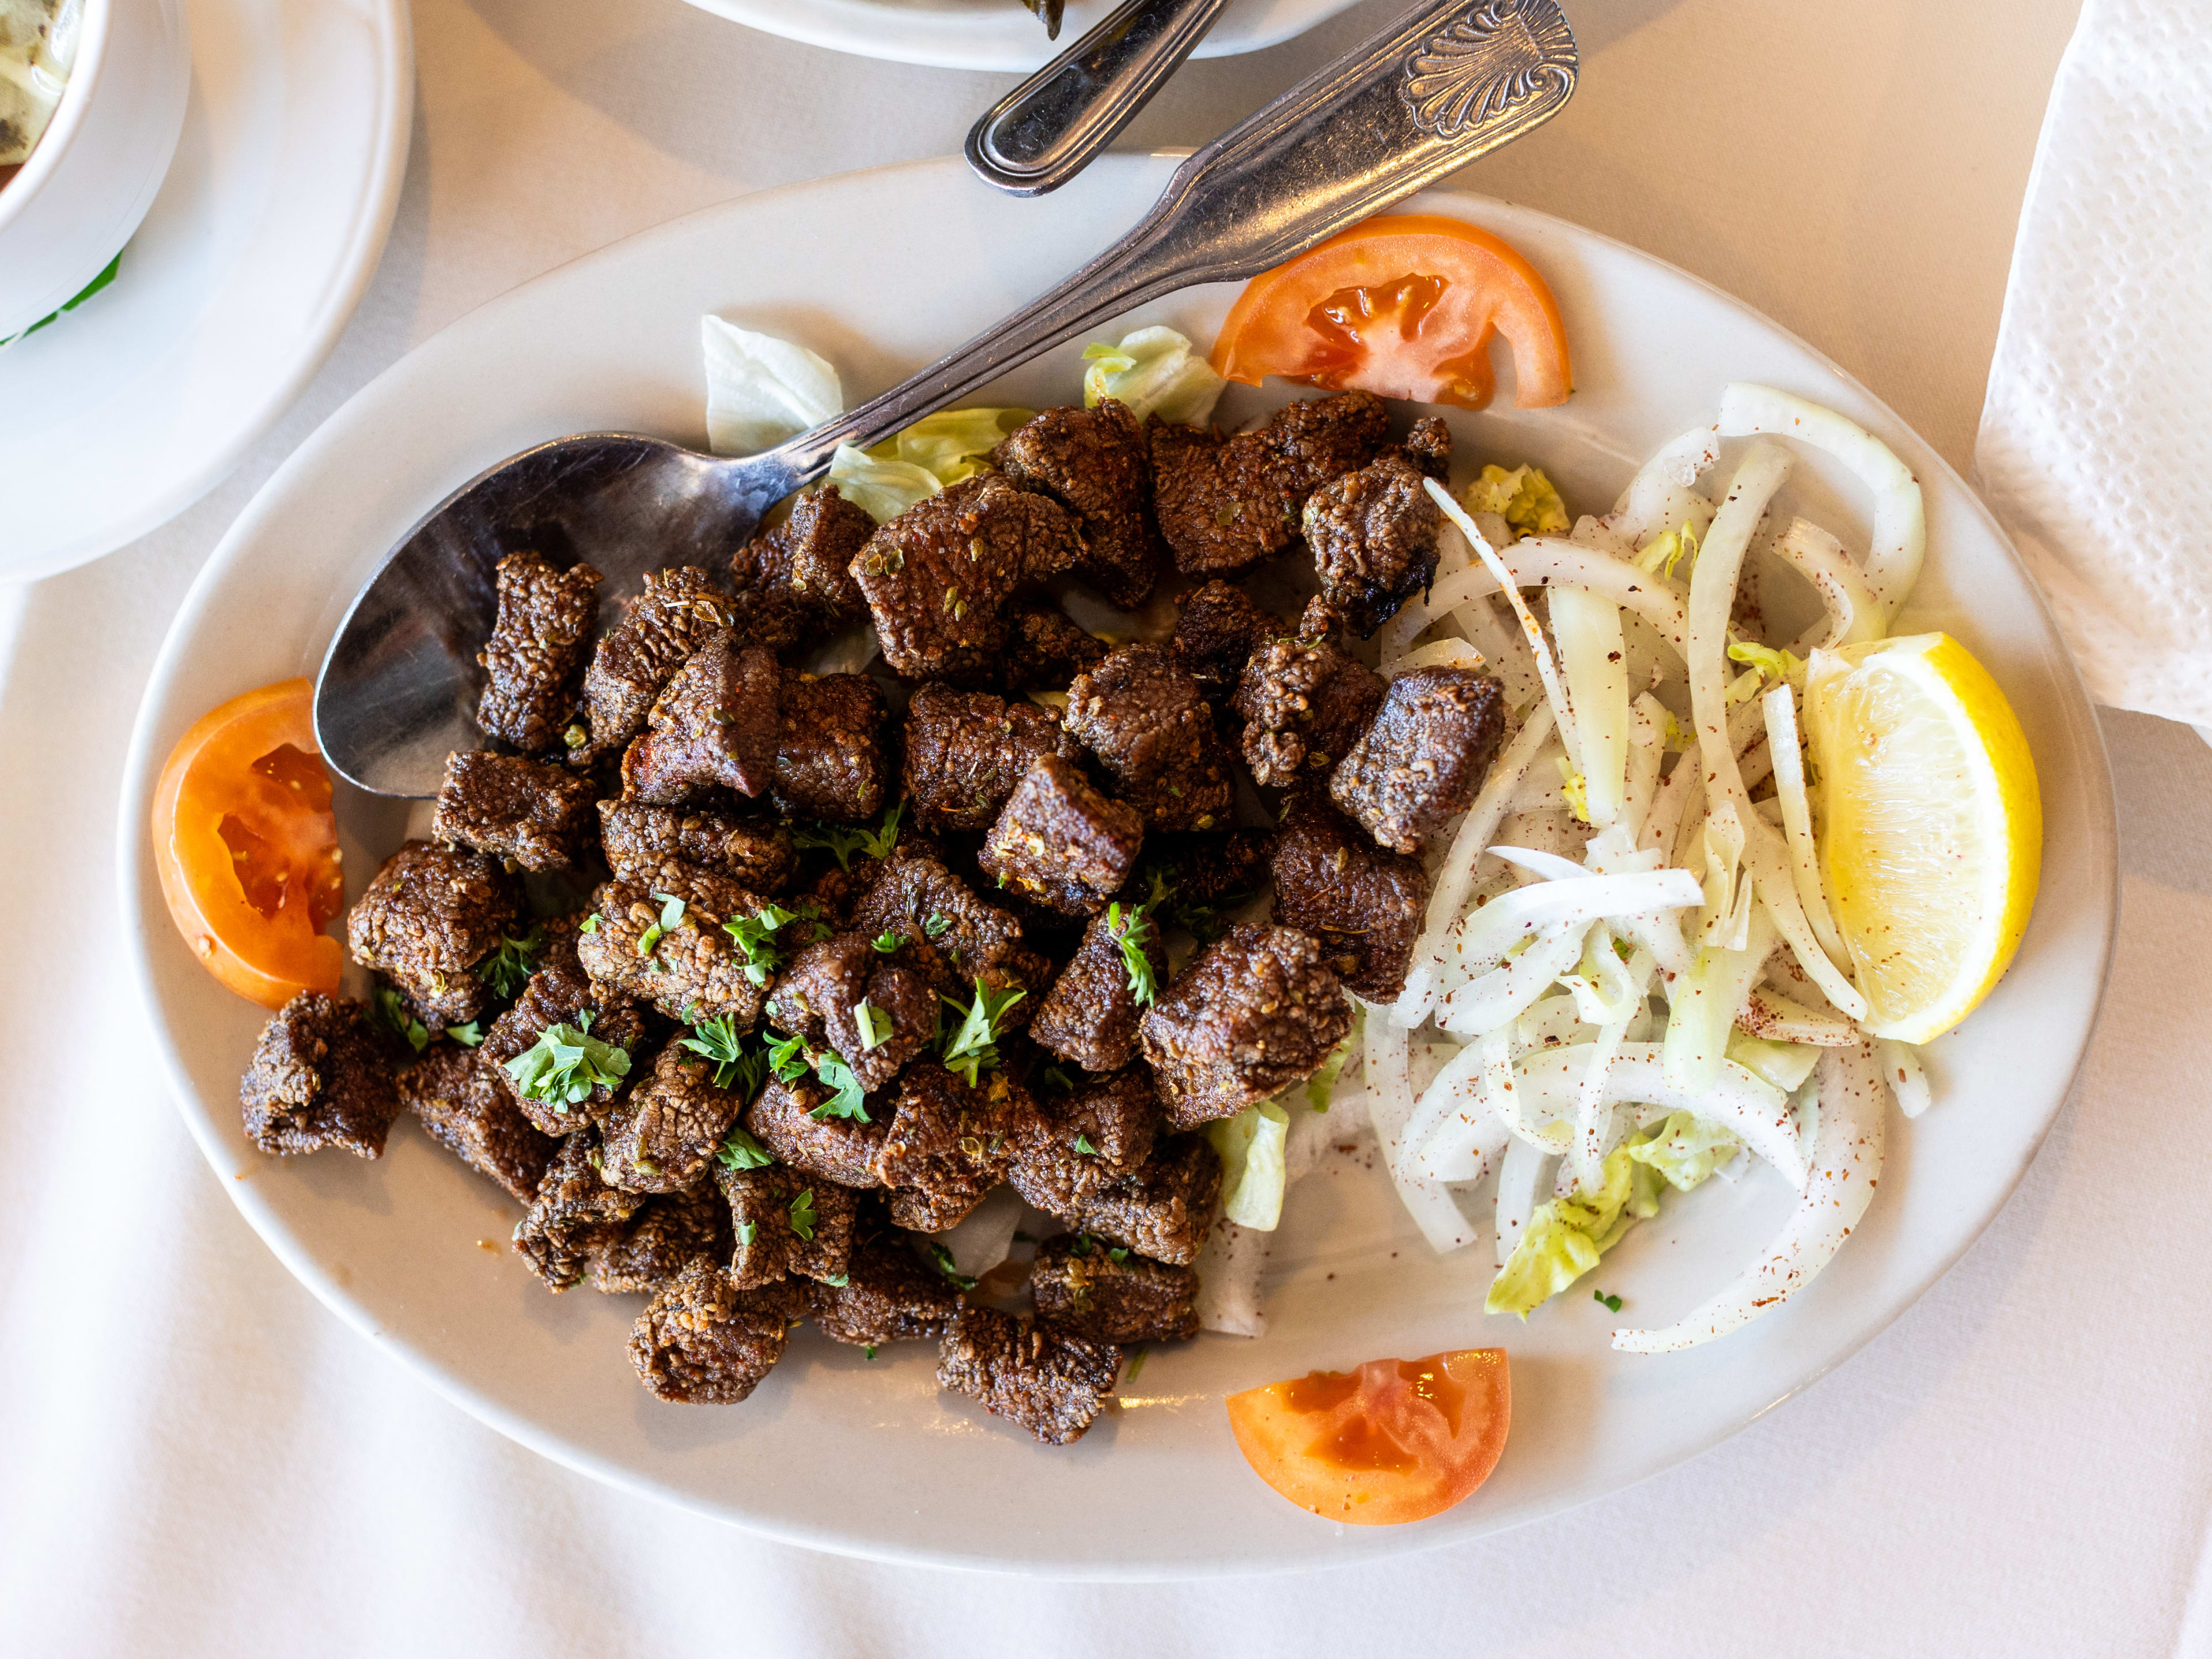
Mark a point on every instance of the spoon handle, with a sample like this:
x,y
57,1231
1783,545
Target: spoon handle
x,y
1449,82
1045,131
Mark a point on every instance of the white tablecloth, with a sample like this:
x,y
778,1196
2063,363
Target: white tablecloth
x,y
200,1460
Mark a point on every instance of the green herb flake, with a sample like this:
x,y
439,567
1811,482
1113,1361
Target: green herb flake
x,y
847,1099
591,924
565,1064
973,1047
1134,930
787,1060
507,969
1057,1077
950,1268
802,1215
392,1014
1136,1365
938,925
1118,1253
839,1282
1612,1302
888,942
468,1035
718,1040
870,1351
875,1026
739,1150
1083,1145
748,1231
842,841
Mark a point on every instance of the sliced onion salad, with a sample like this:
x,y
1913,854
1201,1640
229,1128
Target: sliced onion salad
x,y
1646,997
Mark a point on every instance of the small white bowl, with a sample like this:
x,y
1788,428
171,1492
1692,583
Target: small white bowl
x,y
90,179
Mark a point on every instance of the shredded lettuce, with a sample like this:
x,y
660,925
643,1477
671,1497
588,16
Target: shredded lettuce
x,y
935,451
1322,1084
1565,1237
1772,664
1684,1148
1253,1172
1662,553
761,390
1154,371
1784,1065
1524,498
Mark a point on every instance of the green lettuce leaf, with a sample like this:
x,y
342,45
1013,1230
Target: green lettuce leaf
x,y
1564,1238
936,450
1251,1147
1524,498
761,390
1685,1149
1784,1065
1154,371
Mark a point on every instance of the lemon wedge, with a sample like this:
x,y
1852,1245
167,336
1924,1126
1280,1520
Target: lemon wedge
x,y
1931,831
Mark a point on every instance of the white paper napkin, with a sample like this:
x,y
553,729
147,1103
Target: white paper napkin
x,y
2095,447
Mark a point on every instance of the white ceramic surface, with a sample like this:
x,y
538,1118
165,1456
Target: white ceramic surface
x,y
91,177
993,34
840,1453
237,285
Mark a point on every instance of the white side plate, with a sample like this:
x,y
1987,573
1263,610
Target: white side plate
x,y
843,1454
128,410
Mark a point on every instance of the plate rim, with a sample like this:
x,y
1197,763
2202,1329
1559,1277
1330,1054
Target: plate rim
x,y
133,865
789,23
355,267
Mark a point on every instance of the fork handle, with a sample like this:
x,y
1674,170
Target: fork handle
x,y
1450,81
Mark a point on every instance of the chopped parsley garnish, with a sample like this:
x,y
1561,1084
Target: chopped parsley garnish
x,y
1612,1302
1118,1253
1057,1077
938,925
875,1026
565,1064
1136,1365
1083,1145
748,1231
888,942
839,1282
467,1036
842,841
951,1268
752,933
802,1215
671,918
1134,931
973,1047
787,1060
507,969
847,1099
393,1013
590,923
718,1040
870,1351
739,1150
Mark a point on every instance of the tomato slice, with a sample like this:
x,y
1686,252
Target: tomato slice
x,y
1396,1440
1404,305
247,846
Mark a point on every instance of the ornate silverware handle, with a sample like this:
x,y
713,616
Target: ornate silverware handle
x,y
1446,84
1045,131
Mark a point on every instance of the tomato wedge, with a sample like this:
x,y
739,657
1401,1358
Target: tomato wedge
x,y
1404,305
1396,1440
247,846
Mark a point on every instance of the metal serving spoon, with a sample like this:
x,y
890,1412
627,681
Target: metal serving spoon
x,y
1045,131
1449,82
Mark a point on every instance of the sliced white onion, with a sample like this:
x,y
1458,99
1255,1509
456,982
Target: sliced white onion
x,y
1853,611
1647,727
1900,519
1389,1109
1662,495
1780,706
1555,561
1846,1163
1768,1013
1702,1004
1448,893
1229,1269
1522,1179
1438,653
1506,921
1595,659
1488,1001
1901,1071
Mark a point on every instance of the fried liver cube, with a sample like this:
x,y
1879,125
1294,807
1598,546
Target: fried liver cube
x,y
1045,649
913,894
939,577
1090,1015
1097,464
832,760
659,848
889,1295
965,752
680,610
537,815
1069,1146
430,916
457,1094
574,1216
788,1224
1254,1013
1224,505
702,1341
715,727
560,993
821,991
1423,757
540,637
1051,1383
661,1135
1363,906
1149,724
826,1148
669,1232
692,971
1305,705
948,1144
1165,1210
1373,534
1218,628
1060,843
1108,1293
793,583
319,1078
